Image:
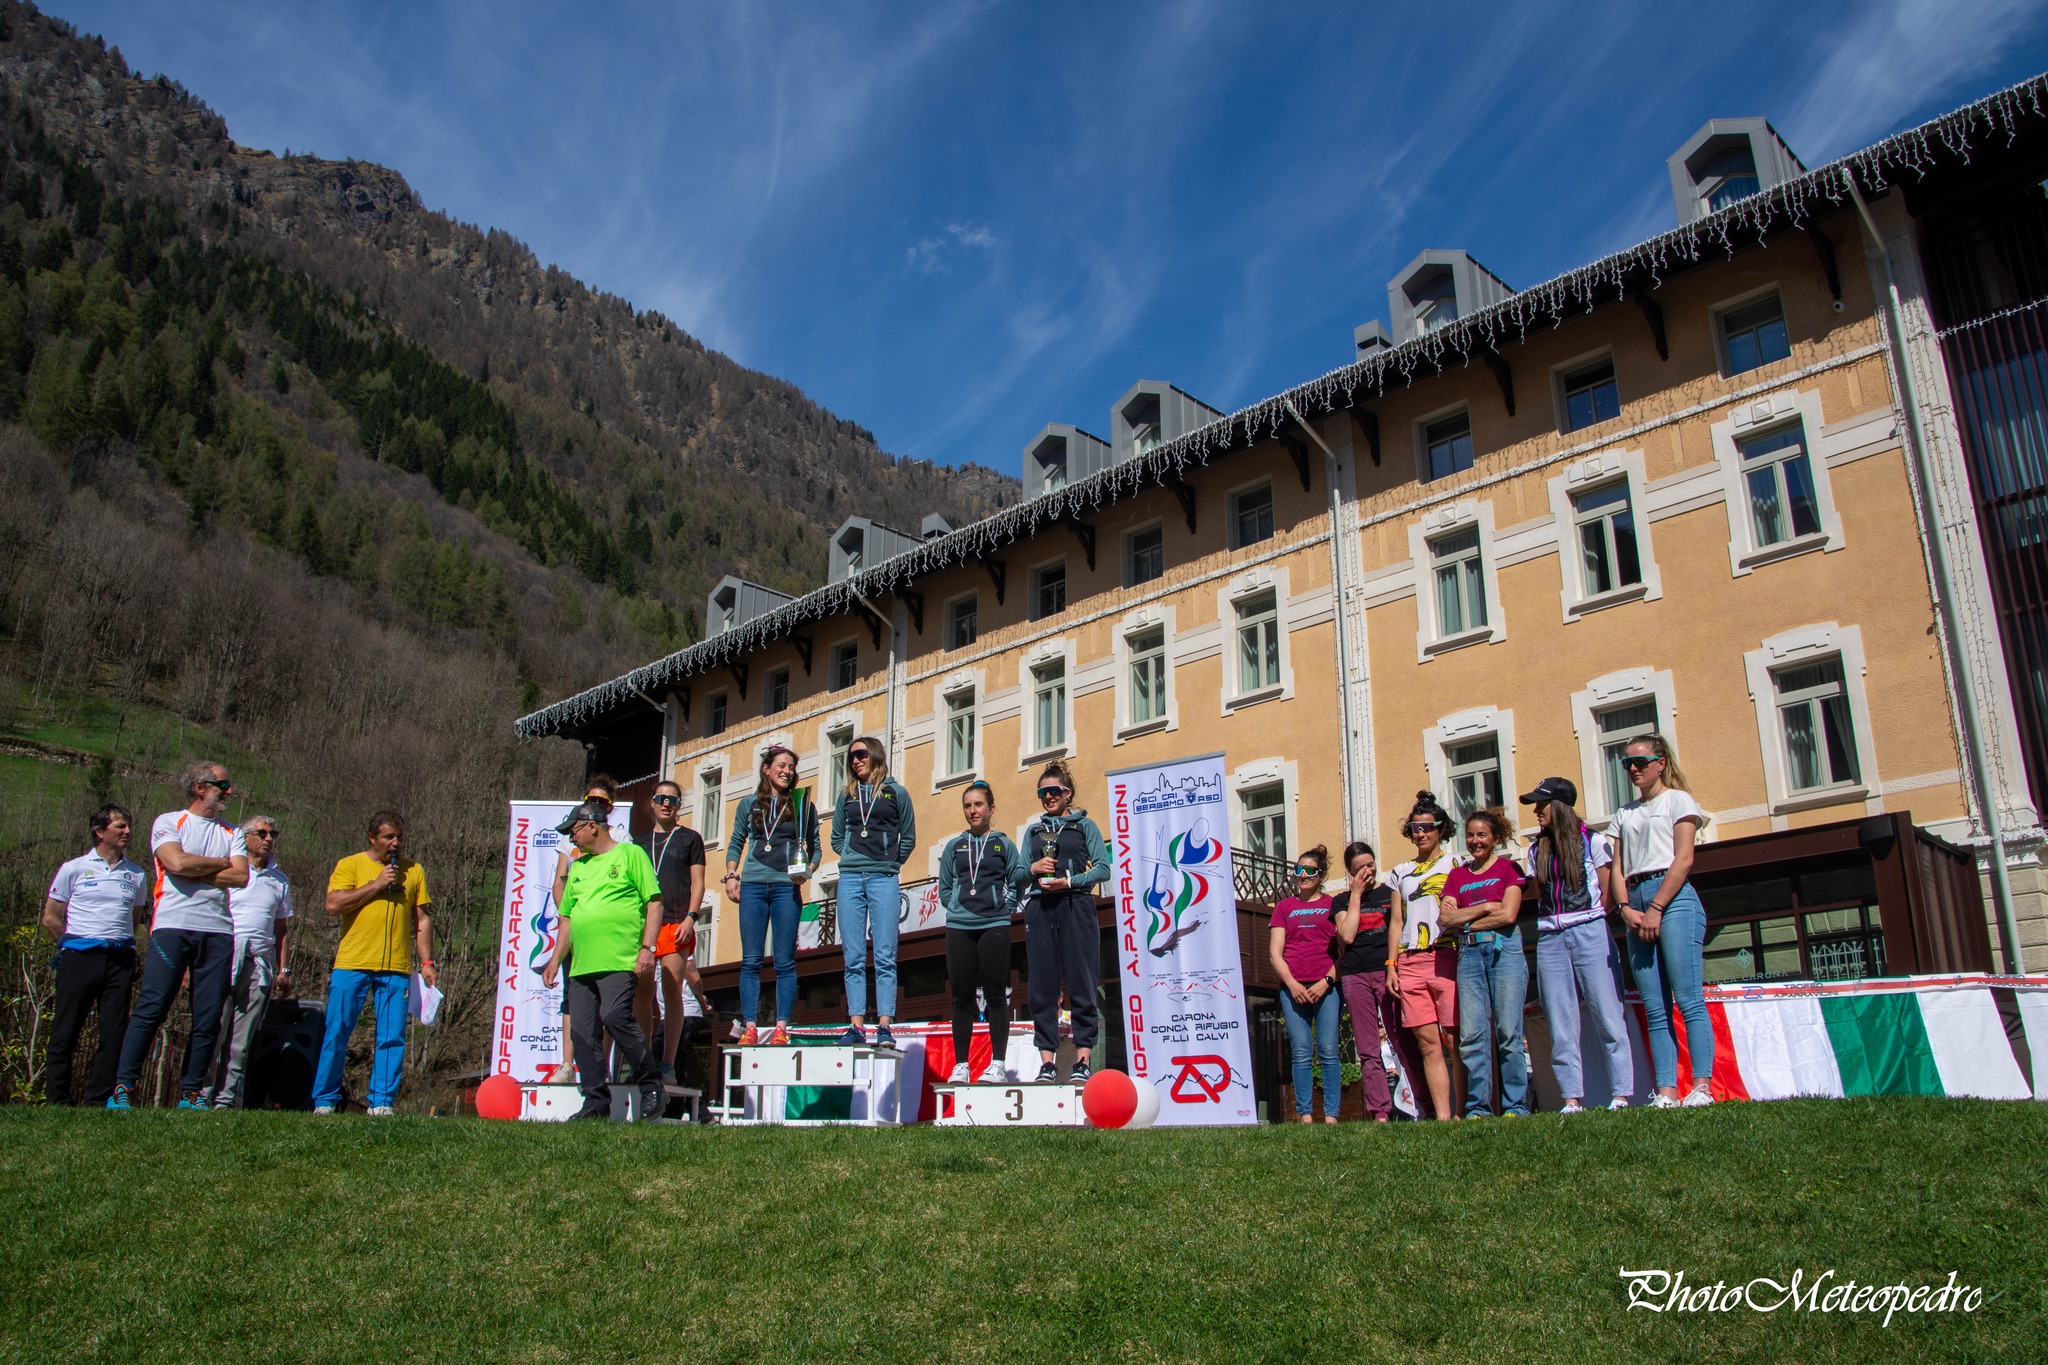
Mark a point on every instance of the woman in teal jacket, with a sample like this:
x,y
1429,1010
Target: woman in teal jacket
x,y
1062,938
979,872
873,832
773,848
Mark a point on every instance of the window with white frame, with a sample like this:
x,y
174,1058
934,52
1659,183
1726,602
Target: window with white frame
x,y
1777,474
960,728
1474,767
961,621
1146,650
1447,446
1460,579
1049,705
711,806
844,670
1608,556
1144,555
714,714
837,742
707,929
1588,394
1251,516
1618,725
1264,812
1818,729
1753,334
1048,590
775,692
1258,641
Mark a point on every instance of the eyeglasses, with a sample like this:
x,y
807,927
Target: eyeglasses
x,y
1306,871
861,754
666,800
1051,793
1635,763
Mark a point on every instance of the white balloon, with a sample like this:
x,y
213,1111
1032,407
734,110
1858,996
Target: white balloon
x,y
1148,1105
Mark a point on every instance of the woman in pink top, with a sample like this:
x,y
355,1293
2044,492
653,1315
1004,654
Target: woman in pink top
x,y
1304,944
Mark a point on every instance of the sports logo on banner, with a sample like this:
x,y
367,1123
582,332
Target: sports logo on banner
x,y
1176,936
528,1036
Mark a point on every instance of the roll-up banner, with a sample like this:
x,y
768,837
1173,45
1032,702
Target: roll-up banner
x,y
528,1036
1183,1004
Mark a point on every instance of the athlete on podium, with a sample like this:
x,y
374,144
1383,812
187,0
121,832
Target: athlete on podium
x,y
1062,938
979,873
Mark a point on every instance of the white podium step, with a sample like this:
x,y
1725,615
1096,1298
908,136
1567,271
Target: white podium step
x,y
760,1077
1008,1106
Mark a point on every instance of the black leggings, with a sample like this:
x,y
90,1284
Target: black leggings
x,y
979,957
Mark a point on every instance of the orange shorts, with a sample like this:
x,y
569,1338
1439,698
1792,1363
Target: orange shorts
x,y
1429,988
676,939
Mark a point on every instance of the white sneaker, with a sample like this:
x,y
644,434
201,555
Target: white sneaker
x,y
1698,1099
959,1076
323,1108
1662,1101
997,1073
381,1111
1619,1102
1572,1107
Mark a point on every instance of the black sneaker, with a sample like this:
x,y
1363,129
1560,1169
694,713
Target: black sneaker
x,y
653,1101
592,1109
1047,1073
1079,1075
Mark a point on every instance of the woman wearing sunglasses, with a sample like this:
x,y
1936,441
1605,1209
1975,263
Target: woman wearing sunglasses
x,y
1482,900
1574,952
1302,944
1362,918
873,832
1062,938
1423,969
602,788
1667,925
773,834
979,873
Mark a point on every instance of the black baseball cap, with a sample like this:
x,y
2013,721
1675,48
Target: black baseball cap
x,y
588,810
1552,789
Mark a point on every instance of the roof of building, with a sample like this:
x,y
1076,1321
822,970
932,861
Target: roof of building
x,y
1789,206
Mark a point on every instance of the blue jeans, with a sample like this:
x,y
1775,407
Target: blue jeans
x,y
870,903
1314,1027
1669,970
760,904
1581,959
1493,984
346,992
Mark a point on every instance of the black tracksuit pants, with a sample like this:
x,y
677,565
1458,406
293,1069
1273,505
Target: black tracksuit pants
x,y
979,957
1062,943
89,979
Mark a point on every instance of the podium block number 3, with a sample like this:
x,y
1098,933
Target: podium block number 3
x,y
1016,1113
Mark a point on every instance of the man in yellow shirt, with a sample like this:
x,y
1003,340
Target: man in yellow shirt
x,y
381,897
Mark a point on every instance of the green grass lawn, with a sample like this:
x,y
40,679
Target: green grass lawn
x,y
266,1236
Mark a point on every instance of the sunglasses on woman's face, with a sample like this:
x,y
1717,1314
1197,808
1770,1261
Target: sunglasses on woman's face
x,y
668,801
1635,763
861,754
1051,793
1421,826
1305,871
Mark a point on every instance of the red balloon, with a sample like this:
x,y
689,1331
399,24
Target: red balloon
x,y
498,1098
1109,1099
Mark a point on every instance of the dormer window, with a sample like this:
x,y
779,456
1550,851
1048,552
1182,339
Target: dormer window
x,y
1729,174
1436,301
727,603
851,544
1052,465
1725,162
1141,415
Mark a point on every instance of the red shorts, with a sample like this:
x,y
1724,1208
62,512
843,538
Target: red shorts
x,y
1429,988
676,939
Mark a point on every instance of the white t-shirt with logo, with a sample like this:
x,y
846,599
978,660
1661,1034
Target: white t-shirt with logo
x,y
1420,887
1644,829
258,907
181,902
100,898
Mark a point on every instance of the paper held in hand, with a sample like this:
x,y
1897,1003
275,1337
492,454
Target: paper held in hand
x,y
425,1004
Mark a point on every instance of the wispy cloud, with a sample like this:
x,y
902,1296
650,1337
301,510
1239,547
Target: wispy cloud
x,y
934,255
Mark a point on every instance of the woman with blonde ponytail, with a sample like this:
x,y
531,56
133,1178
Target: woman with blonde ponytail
x,y
1667,925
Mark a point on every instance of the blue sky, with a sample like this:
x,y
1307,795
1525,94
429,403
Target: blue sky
x,y
954,223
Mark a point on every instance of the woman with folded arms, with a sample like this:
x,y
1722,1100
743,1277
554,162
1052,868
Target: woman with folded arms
x,y
1574,952
1482,900
1303,945
978,876
1362,916
1422,966
1667,925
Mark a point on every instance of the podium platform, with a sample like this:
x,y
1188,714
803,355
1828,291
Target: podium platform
x,y
1008,1105
758,1081
558,1103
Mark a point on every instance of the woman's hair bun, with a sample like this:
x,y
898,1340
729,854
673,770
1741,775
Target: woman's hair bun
x,y
1425,797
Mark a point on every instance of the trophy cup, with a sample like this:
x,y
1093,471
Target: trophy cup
x,y
798,868
1048,846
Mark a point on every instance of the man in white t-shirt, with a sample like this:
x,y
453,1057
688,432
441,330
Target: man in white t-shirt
x,y
91,910
262,912
199,859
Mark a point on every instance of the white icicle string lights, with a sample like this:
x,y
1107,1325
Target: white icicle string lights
x,y
1791,205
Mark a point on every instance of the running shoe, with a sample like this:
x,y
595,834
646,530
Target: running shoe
x,y
1662,1101
959,1076
323,1109
996,1073
855,1036
195,1099
653,1101
592,1109
1700,1098
779,1036
1619,1102
1079,1075
382,1111
1047,1073
1572,1107
122,1098
749,1036
884,1038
